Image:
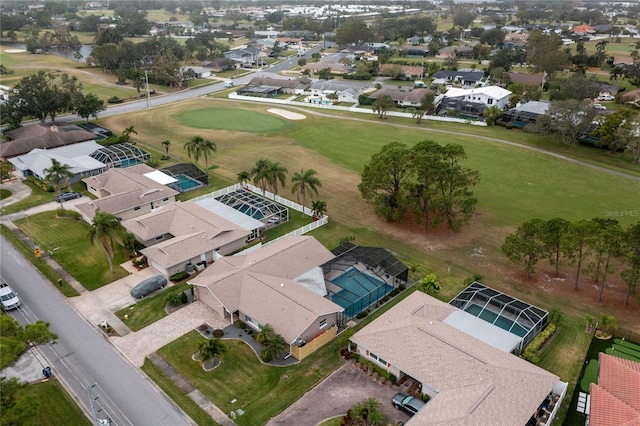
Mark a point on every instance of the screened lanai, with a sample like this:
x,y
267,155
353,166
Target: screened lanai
x,y
508,313
121,155
255,206
358,276
188,176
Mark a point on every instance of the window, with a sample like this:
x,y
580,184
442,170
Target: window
x,y
136,208
378,359
323,323
159,237
165,199
489,101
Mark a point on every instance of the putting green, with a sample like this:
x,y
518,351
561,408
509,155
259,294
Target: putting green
x,y
239,120
590,375
627,343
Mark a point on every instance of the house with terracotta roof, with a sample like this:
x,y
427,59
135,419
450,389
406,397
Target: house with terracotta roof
x,y
281,284
411,98
128,193
583,30
186,233
468,381
615,399
41,136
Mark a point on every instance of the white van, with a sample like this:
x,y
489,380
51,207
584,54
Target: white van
x,y
9,297
228,83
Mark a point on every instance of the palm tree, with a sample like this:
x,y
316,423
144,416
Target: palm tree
x,y
273,348
265,334
304,180
57,175
243,177
276,173
260,173
601,45
126,133
208,351
166,144
207,147
105,232
319,208
193,148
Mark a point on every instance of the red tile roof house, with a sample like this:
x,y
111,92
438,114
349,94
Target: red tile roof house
x,y
469,382
281,284
615,399
583,29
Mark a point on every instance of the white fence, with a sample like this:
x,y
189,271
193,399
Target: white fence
x,y
352,109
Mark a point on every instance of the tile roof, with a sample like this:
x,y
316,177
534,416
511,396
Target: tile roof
x,y
477,384
280,82
45,136
262,284
615,400
415,95
195,230
126,189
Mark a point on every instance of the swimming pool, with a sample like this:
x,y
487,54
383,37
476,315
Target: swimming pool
x,y
249,211
495,319
185,183
359,291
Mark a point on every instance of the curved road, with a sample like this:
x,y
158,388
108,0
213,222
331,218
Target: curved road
x,y
83,358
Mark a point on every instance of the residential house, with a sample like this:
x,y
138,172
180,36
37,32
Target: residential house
x,y
467,78
615,399
75,156
334,66
245,56
467,380
526,113
455,52
416,51
291,86
41,136
411,98
607,90
583,30
281,284
408,72
128,193
185,233
198,72
472,102
346,93
219,64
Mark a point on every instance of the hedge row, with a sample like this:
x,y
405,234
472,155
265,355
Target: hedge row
x,y
531,351
40,184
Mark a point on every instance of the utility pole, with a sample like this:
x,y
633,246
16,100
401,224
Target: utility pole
x,y
146,79
93,409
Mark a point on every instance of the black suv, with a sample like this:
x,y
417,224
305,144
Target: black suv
x,y
407,403
66,196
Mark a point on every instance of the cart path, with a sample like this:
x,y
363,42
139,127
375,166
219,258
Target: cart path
x,y
486,138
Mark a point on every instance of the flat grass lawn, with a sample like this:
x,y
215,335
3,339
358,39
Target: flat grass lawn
x,y
235,119
261,391
52,405
86,262
4,193
37,197
149,309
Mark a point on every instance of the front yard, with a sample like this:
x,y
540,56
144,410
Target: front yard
x,y
149,309
66,238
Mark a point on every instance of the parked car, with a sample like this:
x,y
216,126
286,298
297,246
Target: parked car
x,y
148,286
599,107
8,297
66,196
407,403
606,98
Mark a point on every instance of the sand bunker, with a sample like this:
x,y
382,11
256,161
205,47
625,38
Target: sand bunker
x,y
287,114
14,51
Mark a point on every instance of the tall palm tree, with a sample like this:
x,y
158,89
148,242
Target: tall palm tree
x,y
601,45
243,177
194,148
304,180
210,350
207,147
105,232
166,144
260,173
58,175
276,173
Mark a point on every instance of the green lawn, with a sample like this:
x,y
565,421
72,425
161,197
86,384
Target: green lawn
x,y
4,193
38,197
232,119
149,309
50,404
86,262
261,391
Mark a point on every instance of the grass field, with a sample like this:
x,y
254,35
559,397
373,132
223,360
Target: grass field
x,y
232,119
4,193
66,237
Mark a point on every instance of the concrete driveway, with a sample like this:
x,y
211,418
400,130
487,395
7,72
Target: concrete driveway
x,y
340,391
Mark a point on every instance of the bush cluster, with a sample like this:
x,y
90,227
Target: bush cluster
x,y
180,276
40,184
114,100
531,351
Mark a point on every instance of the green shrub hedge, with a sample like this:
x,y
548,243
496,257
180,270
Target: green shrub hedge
x,y
40,184
180,276
531,351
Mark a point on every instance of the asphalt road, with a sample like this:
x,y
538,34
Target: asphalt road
x,y
83,357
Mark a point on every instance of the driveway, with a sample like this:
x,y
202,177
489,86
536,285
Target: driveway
x,y
340,391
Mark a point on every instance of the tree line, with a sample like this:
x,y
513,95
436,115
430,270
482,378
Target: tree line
x,y
428,180
598,246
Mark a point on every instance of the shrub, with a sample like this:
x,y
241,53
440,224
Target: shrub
x,y
217,333
180,276
531,351
174,299
40,184
362,315
240,324
184,298
114,100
